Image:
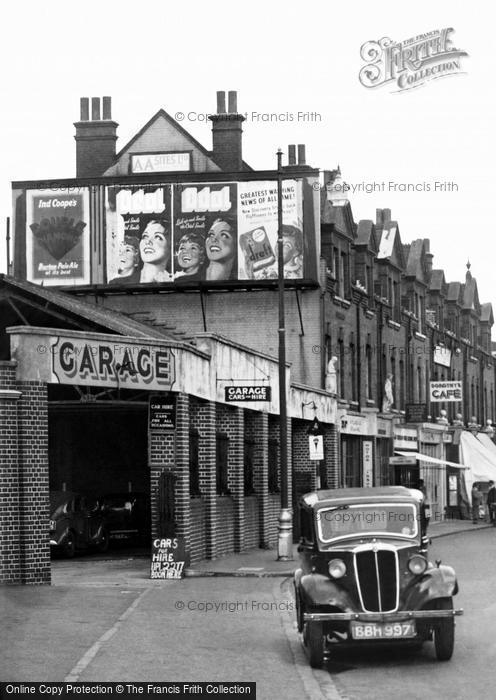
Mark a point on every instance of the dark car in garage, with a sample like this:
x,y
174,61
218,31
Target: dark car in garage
x,y
76,524
126,516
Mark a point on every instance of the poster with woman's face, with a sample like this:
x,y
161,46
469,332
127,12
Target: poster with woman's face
x,y
138,220
57,236
257,223
205,232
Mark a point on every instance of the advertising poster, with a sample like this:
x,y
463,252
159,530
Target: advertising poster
x,y
139,240
57,236
257,224
205,232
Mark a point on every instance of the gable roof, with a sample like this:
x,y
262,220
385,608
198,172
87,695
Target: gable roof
x,y
162,114
470,294
390,247
487,313
454,291
367,236
437,282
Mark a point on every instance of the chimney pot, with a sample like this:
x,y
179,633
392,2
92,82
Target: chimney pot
x,y
232,102
301,154
291,154
95,108
107,108
221,102
85,109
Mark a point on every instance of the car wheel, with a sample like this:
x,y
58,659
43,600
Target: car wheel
x,y
299,611
103,544
313,635
444,632
69,546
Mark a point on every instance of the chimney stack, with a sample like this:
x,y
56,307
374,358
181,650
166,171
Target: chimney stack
x,y
227,133
95,138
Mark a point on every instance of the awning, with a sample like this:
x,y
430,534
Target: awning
x,y
427,458
481,459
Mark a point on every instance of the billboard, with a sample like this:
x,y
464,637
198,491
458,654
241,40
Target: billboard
x,y
138,222
202,232
57,236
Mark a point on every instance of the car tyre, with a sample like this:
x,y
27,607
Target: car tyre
x,y
313,635
444,632
103,545
69,546
300,610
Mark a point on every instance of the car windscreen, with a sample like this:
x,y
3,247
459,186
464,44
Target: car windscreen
x,y
59,502
392,519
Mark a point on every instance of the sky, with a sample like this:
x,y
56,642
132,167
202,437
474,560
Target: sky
x,y
285,60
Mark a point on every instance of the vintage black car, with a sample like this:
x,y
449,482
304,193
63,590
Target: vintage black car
x,y
75,523
126,516
364,575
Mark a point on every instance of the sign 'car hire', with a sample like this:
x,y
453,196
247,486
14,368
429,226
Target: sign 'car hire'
x,y
116,365
247,393
446,391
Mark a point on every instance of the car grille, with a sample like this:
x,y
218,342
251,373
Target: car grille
x,y
377,579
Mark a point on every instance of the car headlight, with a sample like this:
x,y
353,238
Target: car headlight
x,y
417,564
337,568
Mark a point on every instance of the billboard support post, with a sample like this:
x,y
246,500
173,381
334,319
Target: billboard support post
x,y
285,526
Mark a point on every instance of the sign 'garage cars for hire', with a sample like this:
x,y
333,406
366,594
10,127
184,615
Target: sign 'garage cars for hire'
x,y
247,393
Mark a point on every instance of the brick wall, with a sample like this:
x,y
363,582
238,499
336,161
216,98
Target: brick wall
x,y
224,526
197,546
33,483
203,418
252,523
9,476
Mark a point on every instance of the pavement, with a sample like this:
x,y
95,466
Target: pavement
x,y
132,570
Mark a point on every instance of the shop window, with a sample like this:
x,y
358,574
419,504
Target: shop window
x,y
351,462
273,462
194,466
222,462
249,458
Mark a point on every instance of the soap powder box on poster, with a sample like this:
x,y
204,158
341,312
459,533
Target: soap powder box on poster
x,y
169,557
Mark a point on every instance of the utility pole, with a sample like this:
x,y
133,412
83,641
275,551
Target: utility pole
x,y
285,527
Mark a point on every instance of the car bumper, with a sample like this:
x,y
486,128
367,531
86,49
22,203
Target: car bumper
x,y
400,616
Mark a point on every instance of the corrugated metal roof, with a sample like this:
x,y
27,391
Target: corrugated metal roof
x,y
93,315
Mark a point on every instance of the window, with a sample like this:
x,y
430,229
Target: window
x,y
249,458
273,465
395,302
393,372
353,373
368,376
194,469
342,275
222,462
342,378
402,386
420,393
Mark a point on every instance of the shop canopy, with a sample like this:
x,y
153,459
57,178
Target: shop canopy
x,y
479,456
427,458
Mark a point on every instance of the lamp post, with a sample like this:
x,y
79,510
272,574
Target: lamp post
x,y
285,525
